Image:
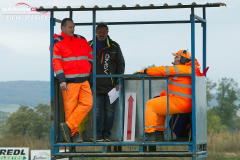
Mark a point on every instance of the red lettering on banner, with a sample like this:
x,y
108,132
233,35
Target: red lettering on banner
x,y
130,110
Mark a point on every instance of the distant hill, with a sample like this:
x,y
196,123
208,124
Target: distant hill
x,y
31,93
214,102
28,93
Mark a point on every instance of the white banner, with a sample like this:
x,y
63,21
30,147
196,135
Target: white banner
x,y
14,153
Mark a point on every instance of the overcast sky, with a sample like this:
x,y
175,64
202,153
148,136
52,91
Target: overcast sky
x,y
24,42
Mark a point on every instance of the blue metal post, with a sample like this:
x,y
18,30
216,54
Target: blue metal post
x,y
167,111
94,78
143,111
52,24
104,149
150,88
58,134
123,99
204,25
120,113
192,19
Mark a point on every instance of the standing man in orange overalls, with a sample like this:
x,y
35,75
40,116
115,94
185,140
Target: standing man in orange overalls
x,y
180,94
72,63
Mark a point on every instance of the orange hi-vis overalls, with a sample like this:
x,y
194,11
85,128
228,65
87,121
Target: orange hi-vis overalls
x,y
179,96
72,63
74,114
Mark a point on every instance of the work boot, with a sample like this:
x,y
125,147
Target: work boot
x,y
159,136
150,137
66,131
75,138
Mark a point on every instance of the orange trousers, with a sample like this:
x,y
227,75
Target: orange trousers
x,y
74,114
156,111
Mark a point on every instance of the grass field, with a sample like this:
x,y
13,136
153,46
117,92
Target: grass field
x,y
221,146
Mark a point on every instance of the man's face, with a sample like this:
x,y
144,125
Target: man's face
x,y
177,60
69,28
102,34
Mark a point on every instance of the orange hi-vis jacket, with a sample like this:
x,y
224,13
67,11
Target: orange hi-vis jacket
x,y
72,58
179,86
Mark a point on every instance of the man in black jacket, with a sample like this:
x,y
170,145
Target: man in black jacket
x,y
109,60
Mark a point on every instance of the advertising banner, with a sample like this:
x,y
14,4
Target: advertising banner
x,y
40,155
14,153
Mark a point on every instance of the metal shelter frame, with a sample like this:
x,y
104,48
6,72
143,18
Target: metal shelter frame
x,y
196,151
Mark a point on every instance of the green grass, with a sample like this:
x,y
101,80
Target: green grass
x,y
223,158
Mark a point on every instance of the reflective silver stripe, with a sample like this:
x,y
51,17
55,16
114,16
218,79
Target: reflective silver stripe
x,y
59,39
167,70
82,57
74,58
176,72
55,56
160,126
181,94
90,53
59,71
180,84
150,126
90,60
77,75
69,59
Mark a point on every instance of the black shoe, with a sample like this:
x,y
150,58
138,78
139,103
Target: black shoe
x,y
107,139
75,138
150,137
66,131
99,139
159,136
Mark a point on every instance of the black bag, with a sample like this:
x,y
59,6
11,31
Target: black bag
x,y
181,124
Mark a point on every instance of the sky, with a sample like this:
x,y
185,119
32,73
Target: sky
x,y
24,40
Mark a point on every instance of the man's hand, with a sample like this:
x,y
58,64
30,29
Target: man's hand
x,y
141,72
117,87
63,86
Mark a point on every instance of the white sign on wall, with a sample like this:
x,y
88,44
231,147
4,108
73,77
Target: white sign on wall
x,y
14,153
130,117
40,155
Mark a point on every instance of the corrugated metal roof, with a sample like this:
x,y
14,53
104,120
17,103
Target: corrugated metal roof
x,y
137,6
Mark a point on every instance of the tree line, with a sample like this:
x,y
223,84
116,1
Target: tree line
x,y
26,121
223,116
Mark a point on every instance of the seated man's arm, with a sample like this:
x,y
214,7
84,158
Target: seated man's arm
x,y
168,70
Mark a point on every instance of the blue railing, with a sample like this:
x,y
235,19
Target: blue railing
x,y
192,145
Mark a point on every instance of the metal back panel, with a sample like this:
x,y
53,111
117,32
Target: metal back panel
x,y
130,86
201,110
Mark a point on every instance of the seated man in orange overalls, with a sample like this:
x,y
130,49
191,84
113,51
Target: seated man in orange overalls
x,y
180,94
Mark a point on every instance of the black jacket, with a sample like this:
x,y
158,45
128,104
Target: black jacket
x,y
109,61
